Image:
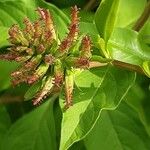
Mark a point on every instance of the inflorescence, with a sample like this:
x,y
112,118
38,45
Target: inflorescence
x,y
43,56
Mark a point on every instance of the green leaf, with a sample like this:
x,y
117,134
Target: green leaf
x,y
34,131
127,16
3,36
125,45
4,122
32,90
78,146
120,129
92,95
14,11
105,17
6,68
117,13
138,99
88,28
145,32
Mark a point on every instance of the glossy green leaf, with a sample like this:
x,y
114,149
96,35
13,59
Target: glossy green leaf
x,y
117,13
88,28
127,16
120,129
105,17
3,36
91,95
125,45
34,131
4,122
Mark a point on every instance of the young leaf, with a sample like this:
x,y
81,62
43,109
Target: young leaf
x,y
127,16
124,45
92,94
117,13
105,17
120,129
34,131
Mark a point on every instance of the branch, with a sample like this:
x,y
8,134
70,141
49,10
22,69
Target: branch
x,y
143,18
89,5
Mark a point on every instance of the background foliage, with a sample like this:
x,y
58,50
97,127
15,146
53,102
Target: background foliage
x,y
111,105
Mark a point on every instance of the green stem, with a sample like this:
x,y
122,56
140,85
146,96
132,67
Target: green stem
x,y
143,18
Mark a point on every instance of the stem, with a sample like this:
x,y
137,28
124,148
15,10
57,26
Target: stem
x,y
95,64
89,5
143,18
7,99
127,66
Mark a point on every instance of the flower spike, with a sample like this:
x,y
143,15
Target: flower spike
x,y
44,57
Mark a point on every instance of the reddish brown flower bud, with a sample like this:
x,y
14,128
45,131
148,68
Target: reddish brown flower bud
x,y
42,13
86,47
17,36
13,31
10,56
78,62
22,58
17,77
16,74
82,63
73,32
47,18
28,26
45,91
38,74
29,29
64,46
32,79
69,84
41,49
37,29
74,15
48,38
29,51
49,59
58,74
58,80
74,26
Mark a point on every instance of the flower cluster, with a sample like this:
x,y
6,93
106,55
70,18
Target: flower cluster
x,y
42,54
